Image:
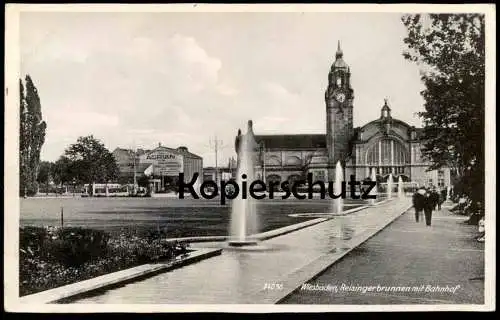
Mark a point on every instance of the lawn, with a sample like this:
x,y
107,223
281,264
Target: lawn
x,y
176,217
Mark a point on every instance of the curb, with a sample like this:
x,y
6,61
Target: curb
x,y
199,239
72,291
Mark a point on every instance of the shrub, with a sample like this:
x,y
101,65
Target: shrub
x,y
67,246
32,239
144,250
75,246
52,257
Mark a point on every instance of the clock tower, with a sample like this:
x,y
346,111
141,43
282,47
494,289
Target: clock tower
x,y
339,118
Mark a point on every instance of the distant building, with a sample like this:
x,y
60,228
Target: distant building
x,y
222,173
386,144
161,165
126,165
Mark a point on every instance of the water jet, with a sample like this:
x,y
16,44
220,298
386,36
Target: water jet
x,y
389,186
338,203
243,210
400,187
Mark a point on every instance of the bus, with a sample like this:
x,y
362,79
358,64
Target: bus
x,y
113,190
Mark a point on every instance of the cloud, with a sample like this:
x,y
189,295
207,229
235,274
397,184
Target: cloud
x,y
226,89
186,49
279,93
270,125
83,120
59,50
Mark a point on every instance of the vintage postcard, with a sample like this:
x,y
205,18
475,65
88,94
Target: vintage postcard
x,y
249,158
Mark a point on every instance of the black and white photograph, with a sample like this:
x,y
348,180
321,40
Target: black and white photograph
x,y
249,158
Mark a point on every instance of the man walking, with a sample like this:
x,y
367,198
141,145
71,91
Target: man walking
x,y
442,198
429,205
419,201
434,198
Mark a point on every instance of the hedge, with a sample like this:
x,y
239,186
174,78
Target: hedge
x,y
52,257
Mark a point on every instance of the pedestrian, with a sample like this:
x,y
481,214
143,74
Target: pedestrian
x,y
481,229
434,198
418,202
429,205
442,199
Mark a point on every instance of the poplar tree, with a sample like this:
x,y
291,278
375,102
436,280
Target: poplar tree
x,y
31,137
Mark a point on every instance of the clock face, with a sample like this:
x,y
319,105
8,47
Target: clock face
x,y
340,97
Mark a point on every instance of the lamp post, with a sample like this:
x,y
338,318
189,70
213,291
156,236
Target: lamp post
x,y
263,152
135,174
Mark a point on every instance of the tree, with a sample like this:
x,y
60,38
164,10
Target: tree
x,y
44,174
450,49
61,171
31,136
91,162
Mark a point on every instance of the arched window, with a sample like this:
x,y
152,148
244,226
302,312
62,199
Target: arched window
x,y
404,178
387,152
372,155
400,153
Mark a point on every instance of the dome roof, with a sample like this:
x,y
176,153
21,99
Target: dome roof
x,y
339,62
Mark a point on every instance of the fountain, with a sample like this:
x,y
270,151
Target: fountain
x,y
338,203
389,186
373,177
243,214
400,187
197,186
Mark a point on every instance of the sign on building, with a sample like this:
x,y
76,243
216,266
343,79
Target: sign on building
x,y
165,162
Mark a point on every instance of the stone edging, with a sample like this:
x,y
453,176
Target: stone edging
x,y
116,278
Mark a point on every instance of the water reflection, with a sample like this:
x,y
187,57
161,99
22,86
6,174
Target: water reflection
x,y
267,247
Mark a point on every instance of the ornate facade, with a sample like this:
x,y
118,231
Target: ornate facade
x,y
386,144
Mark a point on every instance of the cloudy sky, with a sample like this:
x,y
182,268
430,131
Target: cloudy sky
x,y
137,79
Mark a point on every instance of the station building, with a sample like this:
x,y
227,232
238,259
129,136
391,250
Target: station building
x,y
386,144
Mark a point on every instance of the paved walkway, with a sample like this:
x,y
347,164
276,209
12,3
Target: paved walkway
x,y
407,254
241,276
